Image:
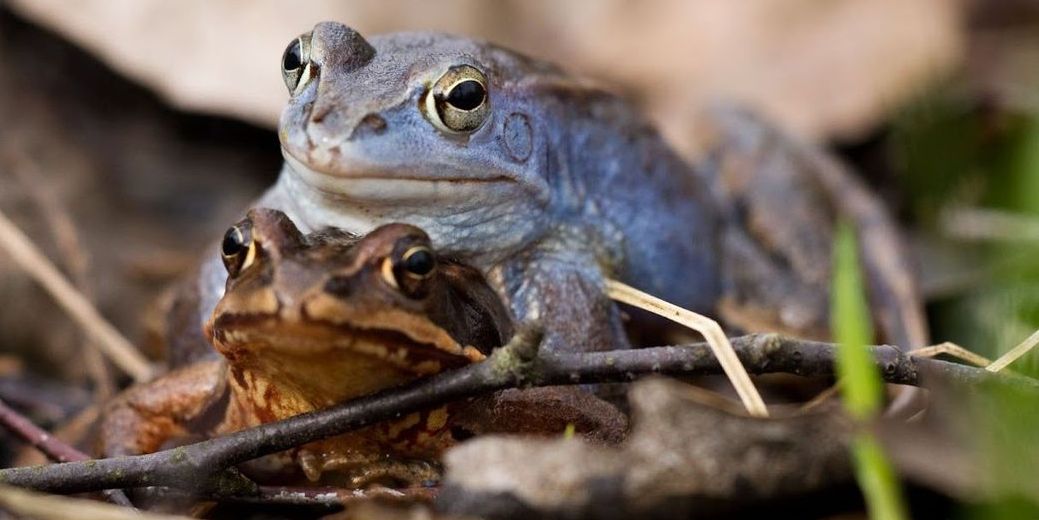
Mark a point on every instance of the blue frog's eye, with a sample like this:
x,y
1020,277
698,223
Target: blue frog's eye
x,y
458,102
295,63
467,94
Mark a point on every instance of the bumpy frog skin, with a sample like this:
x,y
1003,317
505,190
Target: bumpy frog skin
x,y
550,185
309,321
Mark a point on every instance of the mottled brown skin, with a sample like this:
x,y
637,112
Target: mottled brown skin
x,y
781,201
310,321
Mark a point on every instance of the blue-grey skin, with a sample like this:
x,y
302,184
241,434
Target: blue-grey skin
x,y
560,187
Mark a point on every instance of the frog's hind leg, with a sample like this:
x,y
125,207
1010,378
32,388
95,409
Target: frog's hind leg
x,y
783,199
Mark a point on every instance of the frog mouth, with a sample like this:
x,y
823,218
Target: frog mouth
x,y
253,335
369,183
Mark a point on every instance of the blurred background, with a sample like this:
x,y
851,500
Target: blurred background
x,y
132,132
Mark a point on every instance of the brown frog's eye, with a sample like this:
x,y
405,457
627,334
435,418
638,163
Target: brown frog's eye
x,y
237,249
295,63
458,102
409,272
418,262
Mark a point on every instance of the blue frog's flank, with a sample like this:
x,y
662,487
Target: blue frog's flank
x,y
550,184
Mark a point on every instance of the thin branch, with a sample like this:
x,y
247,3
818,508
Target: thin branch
x,y
36,437
202,466
52,447
35,264
708,328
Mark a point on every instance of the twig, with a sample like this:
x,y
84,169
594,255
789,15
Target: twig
x,y
36,437
33,262
1014,353
197,467
708,328
50,446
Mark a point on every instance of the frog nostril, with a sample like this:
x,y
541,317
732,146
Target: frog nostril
x,y
371,123
318,116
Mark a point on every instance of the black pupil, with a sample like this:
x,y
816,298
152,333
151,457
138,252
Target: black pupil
x,y
420,262
233,242
292,59
466,95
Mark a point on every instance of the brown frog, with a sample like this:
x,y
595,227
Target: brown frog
x,y
312,320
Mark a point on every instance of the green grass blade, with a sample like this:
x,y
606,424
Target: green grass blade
x,y
861,386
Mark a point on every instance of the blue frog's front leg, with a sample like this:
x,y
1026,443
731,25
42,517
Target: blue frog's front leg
x,y
566,295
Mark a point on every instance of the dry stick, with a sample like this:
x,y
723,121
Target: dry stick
x,y
36,437
201,467
708,328
33,262
50,446
1014,353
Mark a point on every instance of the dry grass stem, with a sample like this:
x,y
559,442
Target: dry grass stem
x,y
1014,353
29,258
989,224
711,331
951,349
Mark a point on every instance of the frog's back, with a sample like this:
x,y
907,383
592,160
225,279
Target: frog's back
x,y
645,211
657,206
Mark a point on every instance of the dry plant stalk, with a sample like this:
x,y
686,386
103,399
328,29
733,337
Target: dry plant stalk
x,y
708,328
951,349
29,258
963,354
974,223
1014,354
